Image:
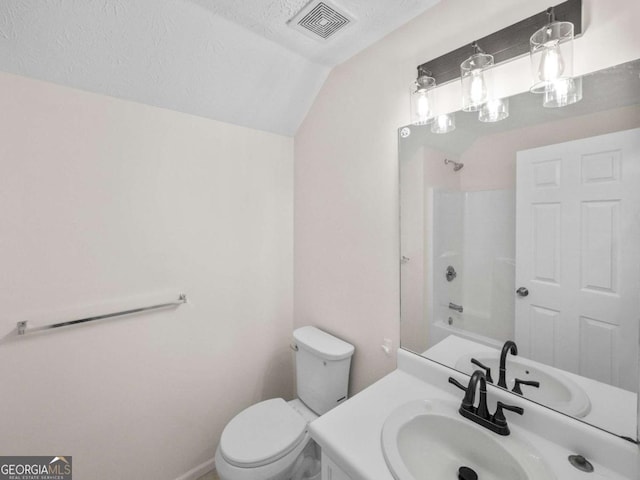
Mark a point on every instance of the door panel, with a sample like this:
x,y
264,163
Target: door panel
x,y
578,253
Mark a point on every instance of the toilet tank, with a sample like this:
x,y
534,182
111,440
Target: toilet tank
x,y
322,368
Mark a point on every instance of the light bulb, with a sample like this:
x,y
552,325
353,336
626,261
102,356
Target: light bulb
x,y
478,88
563,92
474,82
561,87
494,110
423,106
444,124
421,95
551,52
551,63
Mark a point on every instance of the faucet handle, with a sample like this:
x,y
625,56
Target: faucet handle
x,y
455,382
531,383
487,370
498,417
467,401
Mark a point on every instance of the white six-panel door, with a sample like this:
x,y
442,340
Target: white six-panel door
x,y
578,254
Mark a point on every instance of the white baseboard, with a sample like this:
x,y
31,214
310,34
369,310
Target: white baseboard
x,y
199,470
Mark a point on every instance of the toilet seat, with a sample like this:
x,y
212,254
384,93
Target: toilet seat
x,y
262,434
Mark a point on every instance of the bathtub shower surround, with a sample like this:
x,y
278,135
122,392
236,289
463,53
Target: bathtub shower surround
x,y
475,235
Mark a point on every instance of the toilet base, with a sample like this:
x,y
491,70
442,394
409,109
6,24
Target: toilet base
x,y
303,463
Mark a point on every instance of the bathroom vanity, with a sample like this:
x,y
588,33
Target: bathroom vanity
x,y
353,447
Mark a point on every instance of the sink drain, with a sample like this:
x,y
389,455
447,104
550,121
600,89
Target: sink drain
x,y
581,463
466,473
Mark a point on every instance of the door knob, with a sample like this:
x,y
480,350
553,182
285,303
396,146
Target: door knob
x,y
450,274
522,292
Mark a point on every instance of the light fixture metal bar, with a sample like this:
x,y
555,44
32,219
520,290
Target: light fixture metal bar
x,y
505,44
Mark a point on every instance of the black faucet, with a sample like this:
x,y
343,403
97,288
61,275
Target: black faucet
x,y
480,414
470,395
487,370
509,346
498,418
531,383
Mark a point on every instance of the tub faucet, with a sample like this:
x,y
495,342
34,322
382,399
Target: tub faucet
x,y
509,346
457,308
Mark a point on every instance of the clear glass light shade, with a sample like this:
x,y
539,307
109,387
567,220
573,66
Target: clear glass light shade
x,y
444,123
551,52
421,96
563,92
474,81
494,110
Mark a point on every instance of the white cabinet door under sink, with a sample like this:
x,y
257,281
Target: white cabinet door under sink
x,y
578,254
330,471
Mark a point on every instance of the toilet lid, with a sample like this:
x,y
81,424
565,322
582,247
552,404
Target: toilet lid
x,y
262,434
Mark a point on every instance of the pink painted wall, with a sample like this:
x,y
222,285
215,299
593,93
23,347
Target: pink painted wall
x,y
420,174
346,174
490,163
107,204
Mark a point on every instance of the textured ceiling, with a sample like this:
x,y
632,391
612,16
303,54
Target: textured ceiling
x,y
231,60
373,20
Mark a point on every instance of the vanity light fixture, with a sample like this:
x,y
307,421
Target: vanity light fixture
x,y
474,83
494,110
444,123
551,52
421,95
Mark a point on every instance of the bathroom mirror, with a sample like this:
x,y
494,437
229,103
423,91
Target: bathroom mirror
x,y
528,229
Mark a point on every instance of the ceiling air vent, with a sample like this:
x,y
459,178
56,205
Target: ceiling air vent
x,y
320,20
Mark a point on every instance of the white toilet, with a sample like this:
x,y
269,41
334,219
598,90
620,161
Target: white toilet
x,y
270,440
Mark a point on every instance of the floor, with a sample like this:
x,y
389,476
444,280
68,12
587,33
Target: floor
x,y
210,476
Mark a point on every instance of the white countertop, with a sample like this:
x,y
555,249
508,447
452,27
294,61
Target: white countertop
x,y
350,433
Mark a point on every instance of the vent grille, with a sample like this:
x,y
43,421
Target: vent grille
x,y
320,20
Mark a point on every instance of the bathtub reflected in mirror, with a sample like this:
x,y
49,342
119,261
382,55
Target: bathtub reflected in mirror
x,y
538,216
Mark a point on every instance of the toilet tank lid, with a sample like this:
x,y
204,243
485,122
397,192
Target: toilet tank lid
x,y
322,344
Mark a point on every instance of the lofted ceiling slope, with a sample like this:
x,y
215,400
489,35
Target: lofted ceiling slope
x,y
235,61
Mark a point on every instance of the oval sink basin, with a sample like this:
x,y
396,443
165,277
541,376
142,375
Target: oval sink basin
x,y
556,390
425,439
